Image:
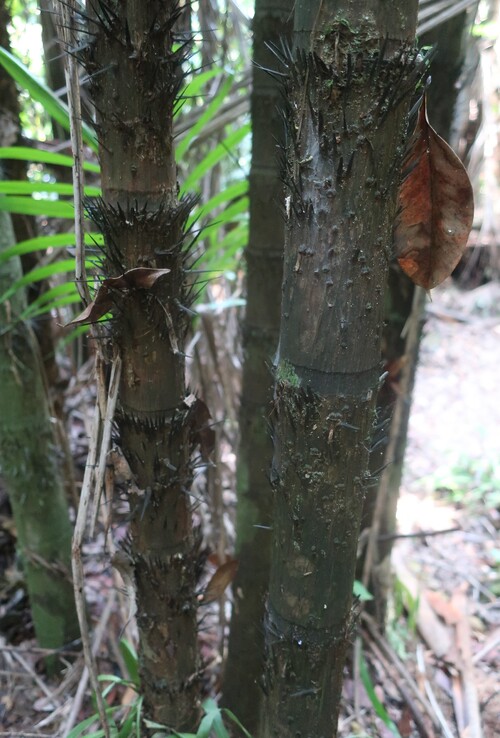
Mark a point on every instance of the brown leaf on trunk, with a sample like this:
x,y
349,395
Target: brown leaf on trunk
x,y
200,418
140,278
436,208
220,581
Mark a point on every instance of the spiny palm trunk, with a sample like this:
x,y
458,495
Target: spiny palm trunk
x,y
143,223
264,255
351,76
404,322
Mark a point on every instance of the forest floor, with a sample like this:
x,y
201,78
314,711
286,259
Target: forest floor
x,y
435,671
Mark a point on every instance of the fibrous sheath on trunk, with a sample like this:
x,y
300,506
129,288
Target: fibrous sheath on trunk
x,y
351,75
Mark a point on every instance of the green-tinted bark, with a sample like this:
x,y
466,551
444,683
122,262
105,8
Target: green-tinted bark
x,y
264,255
401,341
353,72
29,466
142,221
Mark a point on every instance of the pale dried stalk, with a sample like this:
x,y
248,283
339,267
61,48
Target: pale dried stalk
x,y
77,566
89,500
446,730
114,384
39,682
67,10
82,686
465,665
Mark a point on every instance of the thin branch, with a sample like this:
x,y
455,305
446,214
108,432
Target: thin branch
x,y
447,732
67,12
114,384
419,534
82,686
77,566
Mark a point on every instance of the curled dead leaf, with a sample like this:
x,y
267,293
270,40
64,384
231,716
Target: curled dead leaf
x,y
220,581
199,418
140,278
436,208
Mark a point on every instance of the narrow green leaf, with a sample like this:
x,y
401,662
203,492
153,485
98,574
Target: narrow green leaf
x,y
55,305
80,330
60,290
138,717
214,156
231,214
113,679
15,187
49,270
219,727
42,243
209,111
226,195
359,590
205,726
196,85
223,252
42,94
78,729
30,206
235,720
131,660
25,153
128,725
377,705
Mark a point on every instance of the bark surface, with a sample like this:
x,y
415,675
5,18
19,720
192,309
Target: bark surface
x,y
138,75
351,74
264,256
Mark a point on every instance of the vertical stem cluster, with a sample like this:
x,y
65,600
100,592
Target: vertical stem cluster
x,y
136,74
351,74
264,256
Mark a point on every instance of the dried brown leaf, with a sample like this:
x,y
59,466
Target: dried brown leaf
x,y
100,305
220,581
200,418
436,208
443,607
140,278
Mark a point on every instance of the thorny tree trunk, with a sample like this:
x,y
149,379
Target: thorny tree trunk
x,y
353,72
400,347
137,76
29,467
264,255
